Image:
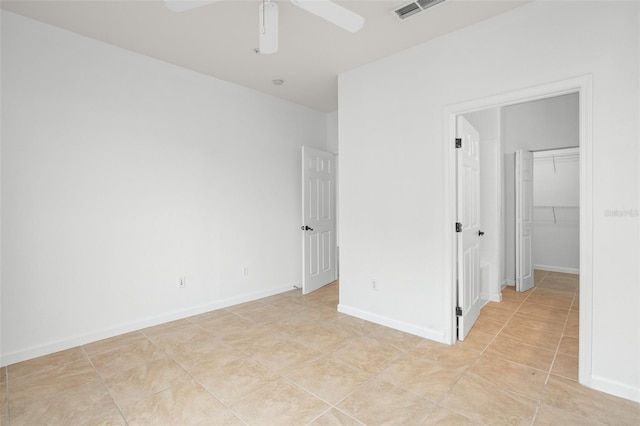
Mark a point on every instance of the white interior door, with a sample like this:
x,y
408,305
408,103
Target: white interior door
x,y
524,220
468,226
318,219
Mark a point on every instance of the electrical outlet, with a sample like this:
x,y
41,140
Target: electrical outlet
x,y
245,271
182,282
374,284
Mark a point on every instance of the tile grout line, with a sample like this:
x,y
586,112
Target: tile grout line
x,y
286,378
169,356
544,386
6,375
538,401
329,355
105,385
44,371
280,376
245,355
555,355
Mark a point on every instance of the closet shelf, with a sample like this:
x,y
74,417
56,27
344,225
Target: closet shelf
x,y
564,219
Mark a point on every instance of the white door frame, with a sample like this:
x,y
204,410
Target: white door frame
x,y
583,86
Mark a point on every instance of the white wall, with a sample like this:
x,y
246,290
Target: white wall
x,y
556,210
121,173
333,147
487,122
393,174
332,132
545,124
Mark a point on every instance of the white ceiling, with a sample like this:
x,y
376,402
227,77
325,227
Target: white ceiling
x,y
219,39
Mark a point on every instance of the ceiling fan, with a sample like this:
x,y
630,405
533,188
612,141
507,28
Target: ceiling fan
x,y
268,17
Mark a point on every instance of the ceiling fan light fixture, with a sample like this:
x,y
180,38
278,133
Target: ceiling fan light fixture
x,y
268,29
332,12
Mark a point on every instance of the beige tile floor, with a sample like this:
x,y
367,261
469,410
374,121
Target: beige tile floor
x,y
292,359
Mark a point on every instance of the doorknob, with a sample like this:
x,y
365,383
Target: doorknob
x,y
480,233
306,228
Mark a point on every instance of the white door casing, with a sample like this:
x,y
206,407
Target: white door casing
x,y
524,220
318,219
468,215
584,86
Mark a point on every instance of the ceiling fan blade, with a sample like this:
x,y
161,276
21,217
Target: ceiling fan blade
x,y
332,12
268,28
182,5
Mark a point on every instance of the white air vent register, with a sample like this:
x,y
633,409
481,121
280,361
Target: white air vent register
x,y
410,9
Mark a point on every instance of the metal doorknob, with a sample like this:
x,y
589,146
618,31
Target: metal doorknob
x,y
306,228
480,233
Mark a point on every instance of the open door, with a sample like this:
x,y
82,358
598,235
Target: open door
x,y
524,220
468,226
318,219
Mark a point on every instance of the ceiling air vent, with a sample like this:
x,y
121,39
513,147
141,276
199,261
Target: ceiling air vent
x,y
410,9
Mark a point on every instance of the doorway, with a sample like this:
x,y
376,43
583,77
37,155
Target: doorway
x,y
582,88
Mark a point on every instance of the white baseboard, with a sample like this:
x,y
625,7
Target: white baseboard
x,y
491,297
508,282
72,342
614,388
427,333
557,269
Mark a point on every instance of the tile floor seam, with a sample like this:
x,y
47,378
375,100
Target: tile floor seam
x,y
453,410
535,344
265,386
280,377
349,415
320,415
503,327
555,355
46,369
329,404
377,376
171,387
57,394
195,379
212,395
83,347
220,401
335,405
466,370
7,378
168,356
544,388
363,385
106,388
538,403
548,373
507,391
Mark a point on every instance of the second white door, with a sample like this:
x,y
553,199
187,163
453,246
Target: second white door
x,y
524,220
468,226
318,219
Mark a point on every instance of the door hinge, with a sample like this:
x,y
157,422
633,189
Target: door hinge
x,y
458,311
458,227
458,142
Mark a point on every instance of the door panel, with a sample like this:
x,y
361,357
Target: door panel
x,y
524,220
318,219
468,214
